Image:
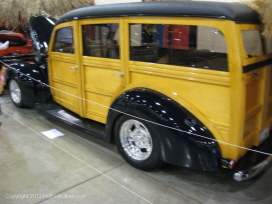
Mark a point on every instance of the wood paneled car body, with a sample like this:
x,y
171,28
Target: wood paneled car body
x,y
186,83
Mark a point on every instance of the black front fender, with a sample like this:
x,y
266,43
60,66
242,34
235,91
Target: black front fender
x,y
30,79
184,140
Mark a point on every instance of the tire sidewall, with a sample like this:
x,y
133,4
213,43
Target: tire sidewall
x,y
19,104
153,161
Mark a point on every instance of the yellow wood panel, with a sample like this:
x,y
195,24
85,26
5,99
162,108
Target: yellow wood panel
x,y
97,106
237,93
256,106
181,69
267,117
66,104
64,73
224,134
67,96
253,89
102,79
64,83
210,99
191,74
102,75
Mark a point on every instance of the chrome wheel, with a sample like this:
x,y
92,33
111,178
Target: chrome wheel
x,y
15,92
136,140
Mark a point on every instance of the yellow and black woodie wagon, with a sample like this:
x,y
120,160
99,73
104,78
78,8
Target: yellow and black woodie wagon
x,y
185,83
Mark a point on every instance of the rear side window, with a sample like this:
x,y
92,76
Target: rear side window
x,y
101,40
269,45
253,43
64,40
182,45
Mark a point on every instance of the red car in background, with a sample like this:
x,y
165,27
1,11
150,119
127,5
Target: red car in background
x,y
19,49
18,43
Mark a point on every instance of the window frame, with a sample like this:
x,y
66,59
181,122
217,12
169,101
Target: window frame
x,y
261,41
245,59
55,40
204,58
101,42
95,21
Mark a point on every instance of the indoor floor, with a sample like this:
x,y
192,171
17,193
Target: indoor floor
x,y
76,168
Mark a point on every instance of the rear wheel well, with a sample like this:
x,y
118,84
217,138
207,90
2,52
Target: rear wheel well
x,y
175,140
112,138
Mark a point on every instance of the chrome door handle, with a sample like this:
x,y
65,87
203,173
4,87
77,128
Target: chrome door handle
x,y
75,67
254,74
119,75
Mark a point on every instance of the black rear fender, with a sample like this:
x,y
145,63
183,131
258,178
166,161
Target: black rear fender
x,y
184,140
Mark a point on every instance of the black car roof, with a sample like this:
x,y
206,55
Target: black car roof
x,y
230,11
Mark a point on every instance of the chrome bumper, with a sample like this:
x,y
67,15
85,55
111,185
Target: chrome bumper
x,y
253,171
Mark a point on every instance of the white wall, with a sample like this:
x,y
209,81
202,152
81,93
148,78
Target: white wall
x,y
100,2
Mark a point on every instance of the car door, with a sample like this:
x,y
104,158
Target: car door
x,y
102,65
64,67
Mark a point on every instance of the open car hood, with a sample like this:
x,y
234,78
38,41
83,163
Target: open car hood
x,y
40,29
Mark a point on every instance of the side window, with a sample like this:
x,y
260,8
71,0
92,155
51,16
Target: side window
x,y
268,41
64,40
181,45
253,43
101,40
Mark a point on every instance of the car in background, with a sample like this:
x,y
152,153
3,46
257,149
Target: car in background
x,y
19,43
20,46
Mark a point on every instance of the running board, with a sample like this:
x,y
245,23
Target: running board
x,y
55,111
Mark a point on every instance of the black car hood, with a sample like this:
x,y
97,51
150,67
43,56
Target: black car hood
x,y
40,29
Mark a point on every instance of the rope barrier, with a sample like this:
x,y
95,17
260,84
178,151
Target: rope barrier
x,y
223,142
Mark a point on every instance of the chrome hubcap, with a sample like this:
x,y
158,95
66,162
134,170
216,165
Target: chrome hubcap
x,y
15,92
136,140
